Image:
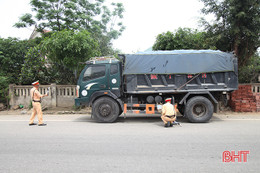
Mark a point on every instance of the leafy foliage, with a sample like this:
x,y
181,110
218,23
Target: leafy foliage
x,y
236,27
250,72
34,67
183,38
4,89
70,49
37,67
12,56
90,15
59,57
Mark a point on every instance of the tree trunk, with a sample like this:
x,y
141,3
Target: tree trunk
x,y
76,75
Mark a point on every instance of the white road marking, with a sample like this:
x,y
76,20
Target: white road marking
x,y
126,118
235,119
35,120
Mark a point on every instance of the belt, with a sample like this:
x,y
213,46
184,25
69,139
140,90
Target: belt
x,y
170,116
37,101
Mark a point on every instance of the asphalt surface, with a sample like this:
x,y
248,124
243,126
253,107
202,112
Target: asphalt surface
x,y
75,143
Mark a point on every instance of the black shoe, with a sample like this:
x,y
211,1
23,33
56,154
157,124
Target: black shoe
x,y
171,124
167,124
32,124
42,124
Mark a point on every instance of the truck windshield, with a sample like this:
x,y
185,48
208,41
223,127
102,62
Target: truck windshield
x,y
93,72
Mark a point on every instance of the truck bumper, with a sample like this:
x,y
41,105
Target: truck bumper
x,y
81,101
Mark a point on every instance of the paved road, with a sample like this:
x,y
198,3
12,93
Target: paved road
x,y
74,143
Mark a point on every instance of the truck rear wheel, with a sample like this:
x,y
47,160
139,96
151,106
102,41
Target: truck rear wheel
x,y
199,109
105,110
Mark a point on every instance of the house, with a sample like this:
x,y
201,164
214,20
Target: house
x,y
36,33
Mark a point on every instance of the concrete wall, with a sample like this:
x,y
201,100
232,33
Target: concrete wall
x,y
246,98
59,95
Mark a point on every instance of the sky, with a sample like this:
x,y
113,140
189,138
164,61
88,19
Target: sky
x,y
143,19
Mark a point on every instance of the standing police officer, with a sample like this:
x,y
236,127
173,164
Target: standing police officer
x,y
168,113
36,102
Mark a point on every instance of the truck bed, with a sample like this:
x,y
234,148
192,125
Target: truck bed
x,y
145,83
180,71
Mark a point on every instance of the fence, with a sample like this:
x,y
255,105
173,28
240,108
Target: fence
x,y
256,88
59,95
256,93
64,95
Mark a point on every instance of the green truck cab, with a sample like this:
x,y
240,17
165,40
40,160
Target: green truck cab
x,y
139,83
101,81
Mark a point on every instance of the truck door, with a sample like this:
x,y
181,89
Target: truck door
x,y
94,79
114,78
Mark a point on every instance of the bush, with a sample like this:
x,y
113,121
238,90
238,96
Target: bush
x,y
4,96
250,72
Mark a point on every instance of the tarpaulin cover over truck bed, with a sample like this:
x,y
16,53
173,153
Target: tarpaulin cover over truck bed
x,y
178,62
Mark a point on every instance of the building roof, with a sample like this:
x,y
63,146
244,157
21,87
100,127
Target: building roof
x,y
36,33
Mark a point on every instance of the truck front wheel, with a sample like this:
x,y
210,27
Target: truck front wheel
x,y
105,110
199,109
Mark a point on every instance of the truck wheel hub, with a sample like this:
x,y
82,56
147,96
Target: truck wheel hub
x,y
199,110
105,110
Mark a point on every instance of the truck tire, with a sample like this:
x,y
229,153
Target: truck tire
x,y
199,109
105,110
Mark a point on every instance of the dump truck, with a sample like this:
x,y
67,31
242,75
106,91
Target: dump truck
x,y
197,80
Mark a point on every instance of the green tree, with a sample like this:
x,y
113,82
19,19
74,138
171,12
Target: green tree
x,y
34,67
4,89
183,38
37,67
13,56
91,15
3,84
236,26
70,49
249,73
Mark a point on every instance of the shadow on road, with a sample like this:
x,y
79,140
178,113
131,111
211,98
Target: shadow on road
x,y
215,118
153,119
133,119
